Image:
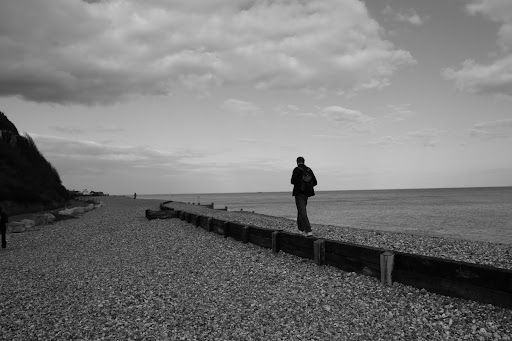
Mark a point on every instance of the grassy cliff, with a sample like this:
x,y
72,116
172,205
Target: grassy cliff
x,y
28,182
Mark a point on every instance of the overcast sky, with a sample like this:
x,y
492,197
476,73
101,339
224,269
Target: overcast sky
x,y
194,96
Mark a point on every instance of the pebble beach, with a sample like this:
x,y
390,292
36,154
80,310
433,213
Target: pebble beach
x,y
113,275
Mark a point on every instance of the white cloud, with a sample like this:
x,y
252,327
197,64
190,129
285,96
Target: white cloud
x,y
242,108
345,116
386,141
405,15
428,137
494,78
492,129
499,11
72,51
400,112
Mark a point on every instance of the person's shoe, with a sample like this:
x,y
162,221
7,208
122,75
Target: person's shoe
x,y
309,234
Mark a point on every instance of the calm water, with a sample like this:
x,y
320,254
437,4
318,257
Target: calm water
x,y
483,214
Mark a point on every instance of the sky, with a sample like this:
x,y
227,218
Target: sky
x,y
193,96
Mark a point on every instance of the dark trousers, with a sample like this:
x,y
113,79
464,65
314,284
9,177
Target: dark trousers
x,y
301,201
4,231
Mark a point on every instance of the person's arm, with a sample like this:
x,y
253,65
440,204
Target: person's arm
x,y
295,175
314,179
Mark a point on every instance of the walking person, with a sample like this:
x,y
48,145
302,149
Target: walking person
x,y
3,226
303,181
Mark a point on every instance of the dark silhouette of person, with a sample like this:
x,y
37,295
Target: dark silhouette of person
x,y
3,226
134,195
302,190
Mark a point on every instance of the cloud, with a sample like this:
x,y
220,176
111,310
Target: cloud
x,y
241,108
96,52
428,137
386,141
499,11
492,129
400,112
345,116
404,15
494,78
81,130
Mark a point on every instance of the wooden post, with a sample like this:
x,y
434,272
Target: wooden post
x,y
386,267
225,229
198,221
209,226
245,234
319,251
275,242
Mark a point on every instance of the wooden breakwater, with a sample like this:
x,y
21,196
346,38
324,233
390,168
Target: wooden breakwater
x,y
481,283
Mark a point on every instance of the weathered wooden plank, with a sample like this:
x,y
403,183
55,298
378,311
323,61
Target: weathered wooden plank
x,y
198,220
218,226
261,232
364,253
296,245
150,215
474,274
236,231
204,223
319,252
454,288
260,241
275,241
245,234
353,264
386,267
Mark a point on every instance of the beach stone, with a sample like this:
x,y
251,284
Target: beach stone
x,y
79,209
15,227
67,211
43,219
89,207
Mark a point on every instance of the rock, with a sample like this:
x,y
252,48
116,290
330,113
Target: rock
x,y
28,223
79,209
16,227
43,219
90,207
67,211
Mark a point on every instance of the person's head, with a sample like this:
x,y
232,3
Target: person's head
x,y
300,160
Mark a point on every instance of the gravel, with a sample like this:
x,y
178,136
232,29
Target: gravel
x,y
113,275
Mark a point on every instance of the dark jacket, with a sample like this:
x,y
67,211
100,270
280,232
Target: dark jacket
x,y
297,180
3,219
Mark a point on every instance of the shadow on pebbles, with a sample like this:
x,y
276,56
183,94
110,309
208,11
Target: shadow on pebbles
x,y
113,275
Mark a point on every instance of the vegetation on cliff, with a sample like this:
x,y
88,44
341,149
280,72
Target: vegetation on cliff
x,y
26,177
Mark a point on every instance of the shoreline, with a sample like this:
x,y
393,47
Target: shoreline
x,y
111,274
470,251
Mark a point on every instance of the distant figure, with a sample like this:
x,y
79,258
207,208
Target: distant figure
x,y
303,181
134,195
3,226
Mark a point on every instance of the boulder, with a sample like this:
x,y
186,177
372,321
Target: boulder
x,y
43,219
79,209
28,223
100,204
67,211
89,207
15,227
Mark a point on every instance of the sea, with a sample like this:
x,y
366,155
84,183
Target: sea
x,y
481,214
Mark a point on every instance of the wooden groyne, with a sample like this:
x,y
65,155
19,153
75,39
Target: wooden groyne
x,y
480,283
